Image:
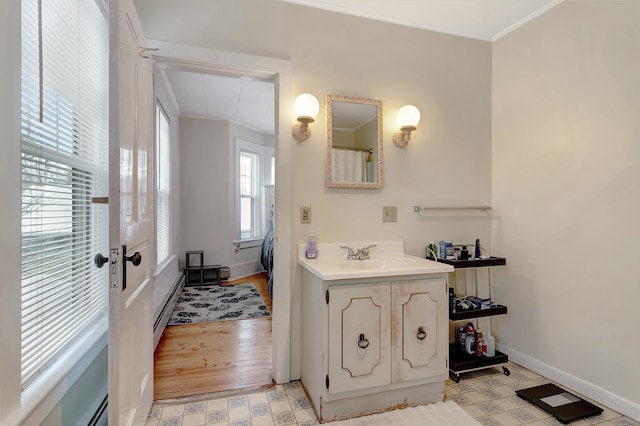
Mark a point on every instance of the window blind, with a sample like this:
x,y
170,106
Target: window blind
x,y
163,185
249,194
64,163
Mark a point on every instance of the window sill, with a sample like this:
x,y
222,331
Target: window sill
x,y
163,265
247,243
37,401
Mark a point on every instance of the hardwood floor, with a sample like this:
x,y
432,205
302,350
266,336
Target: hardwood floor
x,y
212,357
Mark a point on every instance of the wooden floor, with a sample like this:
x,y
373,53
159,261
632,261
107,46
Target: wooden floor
x,y
211,357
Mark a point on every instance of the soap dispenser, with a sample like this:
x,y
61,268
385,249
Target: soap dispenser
x,y
312,250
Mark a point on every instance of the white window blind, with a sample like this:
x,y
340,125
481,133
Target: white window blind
x,y
163,185
249,195
64,163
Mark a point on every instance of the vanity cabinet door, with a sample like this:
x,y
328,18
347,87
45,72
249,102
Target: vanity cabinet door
x,y
419,330
359,336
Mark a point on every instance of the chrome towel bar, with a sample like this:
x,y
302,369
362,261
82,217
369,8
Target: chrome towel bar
x,y
483,208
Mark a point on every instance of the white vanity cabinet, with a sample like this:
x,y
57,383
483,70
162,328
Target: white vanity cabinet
x,y
373,344
359,346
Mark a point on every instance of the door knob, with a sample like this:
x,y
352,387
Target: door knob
x,y
135,258
100,260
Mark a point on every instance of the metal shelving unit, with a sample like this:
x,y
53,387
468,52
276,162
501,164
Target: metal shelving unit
x,y
459,360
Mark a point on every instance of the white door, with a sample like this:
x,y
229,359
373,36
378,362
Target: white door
x,y
131,226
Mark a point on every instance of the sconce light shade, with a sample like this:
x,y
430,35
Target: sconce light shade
x,y
305,108
408,118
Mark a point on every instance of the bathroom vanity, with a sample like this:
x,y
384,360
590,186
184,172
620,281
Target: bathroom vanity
x,y
374,331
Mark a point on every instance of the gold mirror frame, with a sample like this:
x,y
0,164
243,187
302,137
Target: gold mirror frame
x,y
376,151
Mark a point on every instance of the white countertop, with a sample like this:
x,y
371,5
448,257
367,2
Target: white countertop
x,y
387,259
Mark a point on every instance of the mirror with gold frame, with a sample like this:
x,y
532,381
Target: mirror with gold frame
x,y
354,142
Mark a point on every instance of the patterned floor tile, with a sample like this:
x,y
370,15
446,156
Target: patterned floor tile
x,y
487,395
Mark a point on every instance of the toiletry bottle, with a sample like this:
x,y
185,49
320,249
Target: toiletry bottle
x,y
470,342
448,251
479,342
442,250
431,250
452,301
312,250
464,253
462,336
489,349
477,250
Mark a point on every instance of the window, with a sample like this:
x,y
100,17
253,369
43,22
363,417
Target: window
x,y
249,196
64,163
163,185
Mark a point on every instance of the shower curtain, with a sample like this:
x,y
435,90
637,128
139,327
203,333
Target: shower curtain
x,y
349,165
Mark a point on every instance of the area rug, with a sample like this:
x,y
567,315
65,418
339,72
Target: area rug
x,y
440,414
218,303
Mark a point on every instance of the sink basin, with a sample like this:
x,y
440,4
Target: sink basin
x,y
388,259
374,264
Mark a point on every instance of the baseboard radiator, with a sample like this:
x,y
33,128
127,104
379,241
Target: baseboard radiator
x,y
163,318
100,416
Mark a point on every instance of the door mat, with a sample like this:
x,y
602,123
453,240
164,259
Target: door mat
x,y
218,303
556,401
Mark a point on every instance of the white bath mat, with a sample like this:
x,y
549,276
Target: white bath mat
x,y
440,414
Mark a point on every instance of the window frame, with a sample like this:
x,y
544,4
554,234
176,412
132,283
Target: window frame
x,y
64,149
160,112
244,146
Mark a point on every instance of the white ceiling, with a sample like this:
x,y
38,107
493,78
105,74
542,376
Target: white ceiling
x,y
480,19
251,102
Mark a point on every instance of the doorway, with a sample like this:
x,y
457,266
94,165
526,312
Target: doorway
x,y
216,111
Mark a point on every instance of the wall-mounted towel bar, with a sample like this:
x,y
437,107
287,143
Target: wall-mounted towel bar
x,y
418,209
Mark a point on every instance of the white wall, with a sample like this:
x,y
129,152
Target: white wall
x,y
448,160
208,192
166,277
566,192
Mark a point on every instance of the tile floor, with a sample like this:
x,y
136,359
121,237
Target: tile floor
x,y
488,395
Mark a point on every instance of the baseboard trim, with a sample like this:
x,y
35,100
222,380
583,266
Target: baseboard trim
x,y
164,315
598,394
241,270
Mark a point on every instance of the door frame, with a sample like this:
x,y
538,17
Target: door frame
x,y
178,56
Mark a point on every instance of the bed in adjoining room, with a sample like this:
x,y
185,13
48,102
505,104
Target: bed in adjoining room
x,y
267,259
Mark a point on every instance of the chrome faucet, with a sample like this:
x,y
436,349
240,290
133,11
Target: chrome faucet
x,y
360,254
350,253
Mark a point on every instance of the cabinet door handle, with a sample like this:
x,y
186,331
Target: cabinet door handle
x,y
421,333
363,342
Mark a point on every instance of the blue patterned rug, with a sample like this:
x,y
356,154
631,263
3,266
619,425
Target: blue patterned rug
x,y
218,303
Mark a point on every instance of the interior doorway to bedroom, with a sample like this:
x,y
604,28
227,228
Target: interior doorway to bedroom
x,y
226,210
193,360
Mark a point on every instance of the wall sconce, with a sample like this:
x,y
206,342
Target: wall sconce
x,y
408,118
305,108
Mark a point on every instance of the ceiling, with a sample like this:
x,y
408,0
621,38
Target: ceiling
x,y
244,100
251,102
480,19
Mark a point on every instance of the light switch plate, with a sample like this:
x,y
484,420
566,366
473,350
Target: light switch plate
x,y
389,214
305,215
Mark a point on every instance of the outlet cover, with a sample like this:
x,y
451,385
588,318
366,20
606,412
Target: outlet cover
x,y
389,214
305,215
